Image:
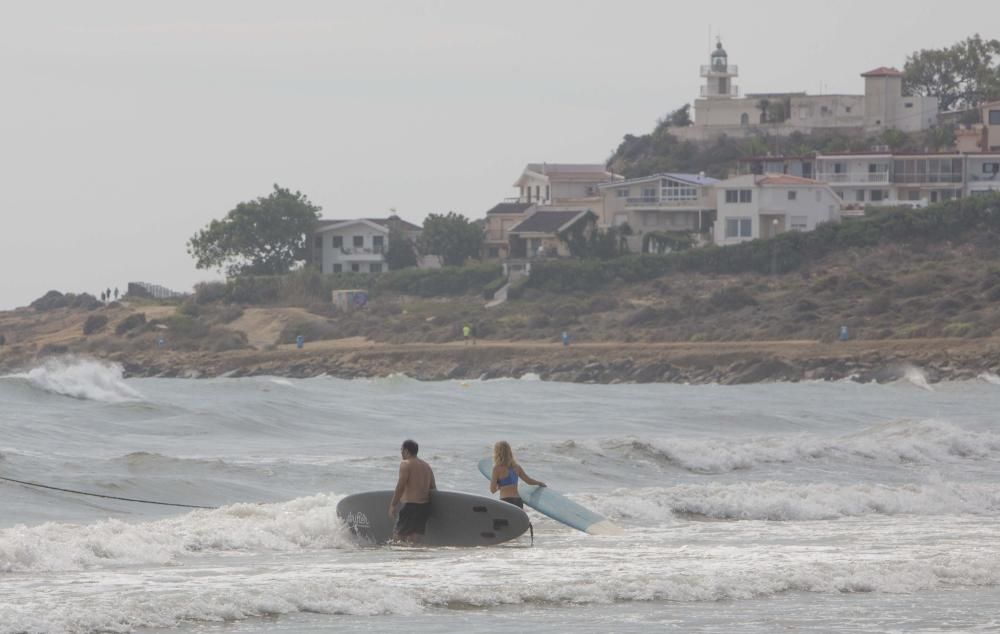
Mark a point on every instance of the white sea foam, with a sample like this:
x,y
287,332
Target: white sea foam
x,y
303,523
83,379
227,595
771,500
917,377
924,442
989,377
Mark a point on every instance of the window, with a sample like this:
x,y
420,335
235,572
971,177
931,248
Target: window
x,y
623,193
338,242
493,252
908,104
799,223
914,194
378,244
792,195
338,268
991,168
732,196
546,192
839,168
847,109
994,117
355,268
746,196
538,192
359,241
375,267
739,227
859,195
318,241
739,195
649,193
877,195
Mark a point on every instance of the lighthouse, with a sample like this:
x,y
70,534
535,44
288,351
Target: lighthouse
x,y
719,74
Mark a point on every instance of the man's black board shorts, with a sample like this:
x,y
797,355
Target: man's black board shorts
x,y
413,518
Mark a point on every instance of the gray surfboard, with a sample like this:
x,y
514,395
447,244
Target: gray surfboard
x,y
457,519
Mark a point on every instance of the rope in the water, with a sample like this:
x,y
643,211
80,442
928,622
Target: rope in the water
x,y
107,497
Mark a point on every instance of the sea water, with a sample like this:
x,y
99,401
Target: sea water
x,y
824,507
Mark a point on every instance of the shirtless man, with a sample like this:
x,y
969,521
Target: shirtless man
x,y
416,481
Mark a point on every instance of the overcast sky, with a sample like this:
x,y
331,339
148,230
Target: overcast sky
x,y
127,126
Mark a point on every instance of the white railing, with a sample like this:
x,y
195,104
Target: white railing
x,y
653,201
714,91
853,177
709,70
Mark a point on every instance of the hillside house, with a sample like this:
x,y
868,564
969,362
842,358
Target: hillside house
x,y
358,245
659,203
752,206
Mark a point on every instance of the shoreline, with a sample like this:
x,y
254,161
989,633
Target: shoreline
x,y
727,363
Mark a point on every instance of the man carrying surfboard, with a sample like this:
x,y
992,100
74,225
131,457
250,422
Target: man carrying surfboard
x,y
413,490
506,471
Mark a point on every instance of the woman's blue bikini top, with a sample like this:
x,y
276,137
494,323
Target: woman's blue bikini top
x,y
510,479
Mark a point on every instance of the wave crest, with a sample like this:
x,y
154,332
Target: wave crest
x,y
85,379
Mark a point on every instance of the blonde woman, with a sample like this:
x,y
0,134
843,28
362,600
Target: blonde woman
x,y
506,472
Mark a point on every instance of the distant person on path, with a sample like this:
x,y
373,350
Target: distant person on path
x,y
506,471
413,490
104,297
466,333
565,338
3,341
116,293
107,293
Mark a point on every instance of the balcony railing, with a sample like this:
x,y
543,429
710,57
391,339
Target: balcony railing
x,y
938,177
853,177
361,250
715,91
709,70
653,201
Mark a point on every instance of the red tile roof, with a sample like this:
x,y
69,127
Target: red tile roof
x,y
883,71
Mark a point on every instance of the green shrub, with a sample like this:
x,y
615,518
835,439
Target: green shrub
x,y
131,322
210,292
878,305
517,288
312,330
645,315
228,314
731,298
50,301
187,327
94,324
253,289
489,291
448,280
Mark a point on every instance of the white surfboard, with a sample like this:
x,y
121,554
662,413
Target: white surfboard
x,y
558,506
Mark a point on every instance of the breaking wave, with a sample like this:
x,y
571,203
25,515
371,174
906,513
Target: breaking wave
x,y
922,442
82,379
303,523
771,500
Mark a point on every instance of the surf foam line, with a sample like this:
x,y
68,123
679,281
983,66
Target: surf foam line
x,y
96,602
782,501
302,524
898,442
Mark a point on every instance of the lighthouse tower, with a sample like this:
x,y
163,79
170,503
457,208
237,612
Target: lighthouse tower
x,y
719,76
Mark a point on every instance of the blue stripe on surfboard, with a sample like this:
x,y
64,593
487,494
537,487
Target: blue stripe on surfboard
x,y
557,506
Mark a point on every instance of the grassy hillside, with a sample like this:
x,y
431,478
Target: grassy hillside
x,y
915,274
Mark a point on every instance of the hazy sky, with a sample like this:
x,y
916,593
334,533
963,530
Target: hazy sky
x,y
127,126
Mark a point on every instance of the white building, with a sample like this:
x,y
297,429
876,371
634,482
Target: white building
x,y
722,110
751,206
667,202
358,245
